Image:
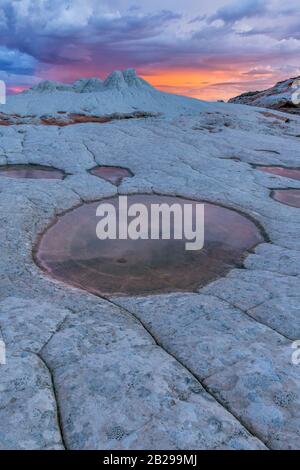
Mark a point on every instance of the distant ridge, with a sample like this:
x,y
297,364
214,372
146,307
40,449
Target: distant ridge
x,y
122,92
117,80
278,97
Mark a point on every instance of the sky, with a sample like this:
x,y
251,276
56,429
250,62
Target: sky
x,y
209,49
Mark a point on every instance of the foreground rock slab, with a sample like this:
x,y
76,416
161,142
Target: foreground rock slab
x,y
243,363
28,410
132,394
209,369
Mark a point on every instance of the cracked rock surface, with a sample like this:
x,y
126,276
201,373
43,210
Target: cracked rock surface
x,y
203,370
28,409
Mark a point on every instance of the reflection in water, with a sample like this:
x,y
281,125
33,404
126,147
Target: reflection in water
x,y
31,172
70,251
113,174
290,197
293,173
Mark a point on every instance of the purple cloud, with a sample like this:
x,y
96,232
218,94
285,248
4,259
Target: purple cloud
x,y
59,35
240,9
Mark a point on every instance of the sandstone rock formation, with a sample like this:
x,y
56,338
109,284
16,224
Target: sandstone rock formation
x,y
278,97
210,369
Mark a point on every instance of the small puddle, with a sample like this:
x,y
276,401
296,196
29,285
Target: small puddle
x,y
293,173
31,172
113,174
71,252
290,197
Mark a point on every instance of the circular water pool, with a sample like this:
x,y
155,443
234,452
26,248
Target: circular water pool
x,y
70,251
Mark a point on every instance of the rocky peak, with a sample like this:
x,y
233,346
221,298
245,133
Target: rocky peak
x,y
117,80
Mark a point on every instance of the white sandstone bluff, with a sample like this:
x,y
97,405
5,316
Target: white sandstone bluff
x,y
284,96
205,370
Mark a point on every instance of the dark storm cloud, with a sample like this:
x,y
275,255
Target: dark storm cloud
x,y
15,62
38,34
240,9
85,37
56,32
285,31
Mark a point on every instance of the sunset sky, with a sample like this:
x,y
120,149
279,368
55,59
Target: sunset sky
x,y
211,49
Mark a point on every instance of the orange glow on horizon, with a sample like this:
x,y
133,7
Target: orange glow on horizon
x,y
187,82
17,89
208,85
205,85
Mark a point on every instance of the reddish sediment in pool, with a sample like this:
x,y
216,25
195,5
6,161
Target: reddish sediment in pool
x,y
62,118
31,172
269,114
112,174
74,119
289,197
293,173
70,251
